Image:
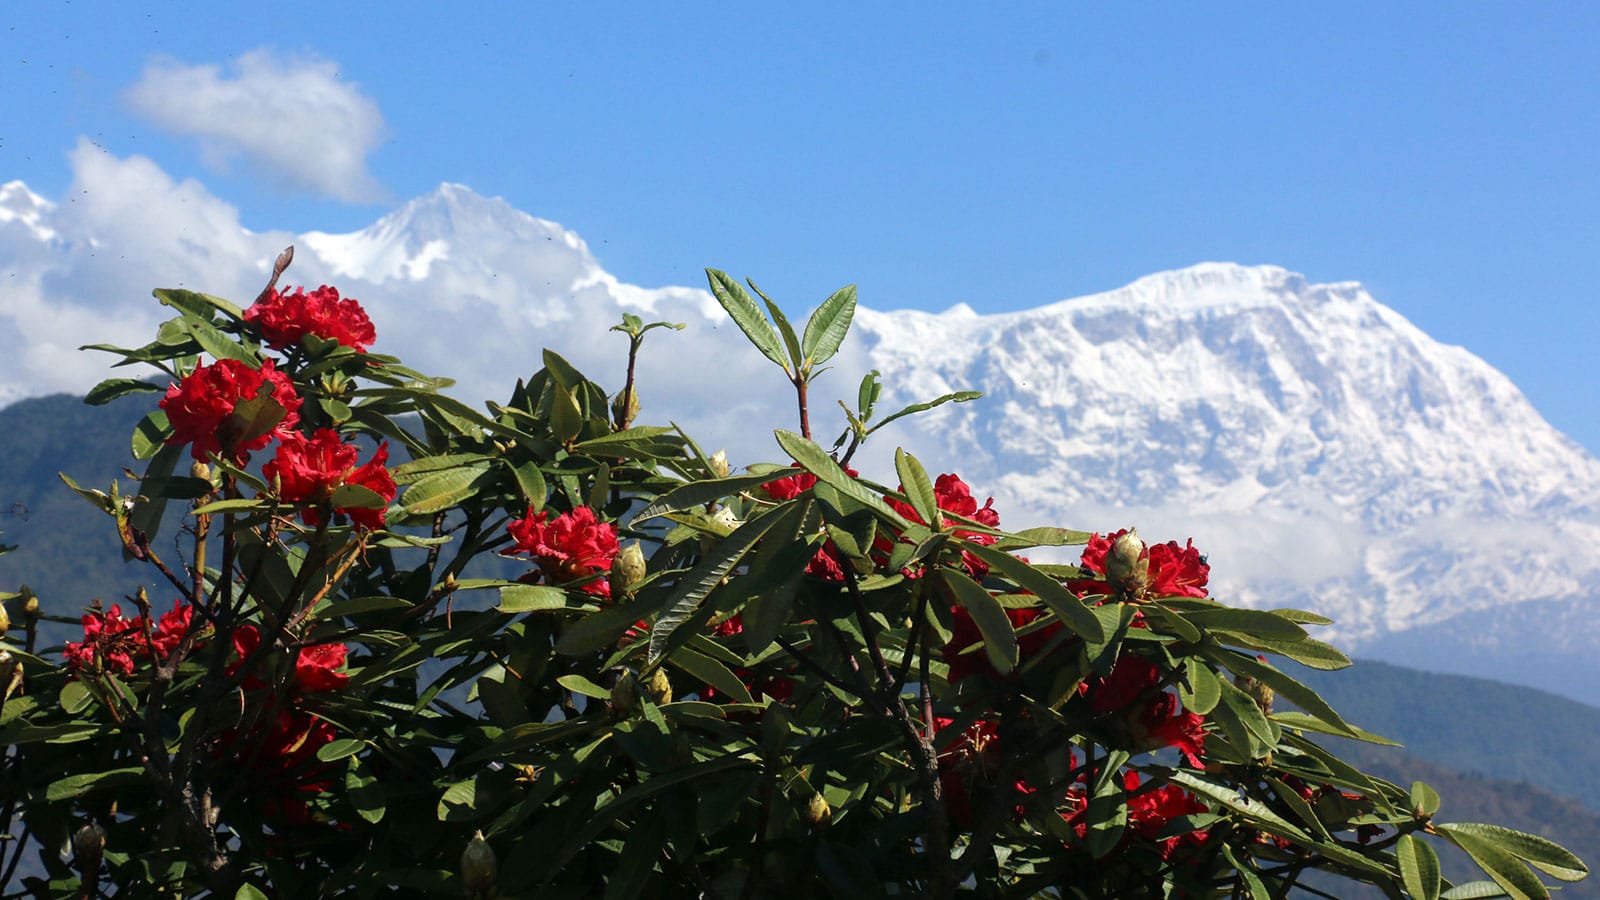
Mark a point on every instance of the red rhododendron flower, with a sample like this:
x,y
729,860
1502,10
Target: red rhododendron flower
x,y
825,563
1150,811
965,661
279,739
953,496
285,318
308,471
1174,571
114,643
967,771
202,407
1152,717
572,546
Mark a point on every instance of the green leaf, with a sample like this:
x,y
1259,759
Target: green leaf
x,y
785,330
1497,862
361,605
150,434
356,496
1309,652
441,490
248,891
1474,890
1078,618
1242,722
1200,690
521,598
999,640
365,792
954,397
251,418
747,316
1107,814
827,327
815,460
196,303
918,488
581,685
1550,857
1419,867
531,482
75,698
566,415
696,494
78,785
637,863
706,670
598,629
1253,623
218,344
1424,799
250,504
1042,537
695,585
340,749
1286,687
112,388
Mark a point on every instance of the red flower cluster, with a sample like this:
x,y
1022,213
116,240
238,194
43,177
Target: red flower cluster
x,y
1174,571
285,318
308,470
279,747
1148,812
112,642
202,407
965,662
825,563
570,547
1152,716
954,496
967,771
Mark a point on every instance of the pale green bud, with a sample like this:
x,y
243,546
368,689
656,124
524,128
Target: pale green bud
x,y
659,687
11,673
719,464
480,870
627,570
1127,568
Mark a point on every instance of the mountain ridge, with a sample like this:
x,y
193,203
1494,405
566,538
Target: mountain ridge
x,y
1325,451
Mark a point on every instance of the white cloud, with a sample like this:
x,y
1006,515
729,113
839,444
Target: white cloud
x,y
291,116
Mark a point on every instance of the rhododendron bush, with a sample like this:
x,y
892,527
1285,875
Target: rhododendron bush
x,y
381,641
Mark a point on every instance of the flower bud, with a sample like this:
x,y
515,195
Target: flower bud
x,y
818,812
625,695
479,868
88,846
625,407
719,464
10,675
1127,568
30,603
5,619
659,687
201,471
627,570
1259,691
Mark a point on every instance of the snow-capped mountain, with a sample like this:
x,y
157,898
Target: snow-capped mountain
x,y
1323,451
1326,451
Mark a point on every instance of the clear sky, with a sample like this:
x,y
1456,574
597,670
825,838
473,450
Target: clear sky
x,y
1447,155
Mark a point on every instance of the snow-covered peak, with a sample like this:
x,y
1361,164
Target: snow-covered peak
x,y
406,244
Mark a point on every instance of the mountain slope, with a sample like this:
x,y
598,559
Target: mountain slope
x,y
1325,451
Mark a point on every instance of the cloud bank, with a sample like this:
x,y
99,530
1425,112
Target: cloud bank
x,y
289,116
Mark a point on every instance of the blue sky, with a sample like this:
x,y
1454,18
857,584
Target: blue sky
x,y
1446,155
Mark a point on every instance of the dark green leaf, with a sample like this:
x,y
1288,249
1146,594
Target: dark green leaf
x,y
1286,687
1419,867
340,749
441,490
78,785
1252,623
999,640
1497,862
356,496
918,488
218,344
112,388
521,598
955,397
581,685
150,434
1424,799
1554,859
815,460
785,330
1078,618
746,315
827,327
